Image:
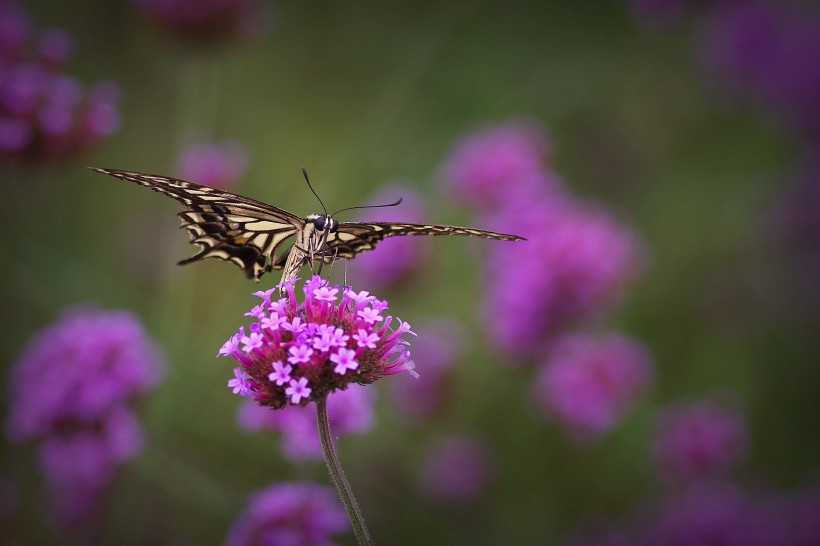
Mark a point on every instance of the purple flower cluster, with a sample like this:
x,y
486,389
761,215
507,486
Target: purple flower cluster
x,y
70,389
215,164
766,52
717,514
589,382
289,514
45,113
457,469
295,353
397,258
578,259
576,264
349,412
699,439
485,167
206,20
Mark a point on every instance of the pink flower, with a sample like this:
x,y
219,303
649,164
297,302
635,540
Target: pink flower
x,y
588,383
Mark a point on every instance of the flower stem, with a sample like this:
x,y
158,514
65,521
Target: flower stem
x,y
337,475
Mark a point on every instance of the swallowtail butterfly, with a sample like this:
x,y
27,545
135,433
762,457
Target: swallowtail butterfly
x,y
256,236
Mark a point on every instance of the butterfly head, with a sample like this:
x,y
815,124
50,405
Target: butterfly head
x,y
322,223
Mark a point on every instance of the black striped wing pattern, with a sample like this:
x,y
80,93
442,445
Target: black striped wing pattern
x,y
256,236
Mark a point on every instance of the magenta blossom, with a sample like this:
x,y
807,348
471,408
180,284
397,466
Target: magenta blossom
x,y
216,164
289,514
70,390
349,412
699,439
579,260
486,167
301,352
589,382
45,113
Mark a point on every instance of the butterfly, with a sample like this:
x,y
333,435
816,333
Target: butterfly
x,y
257,236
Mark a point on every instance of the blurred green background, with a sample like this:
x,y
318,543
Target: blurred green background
x,y
368,92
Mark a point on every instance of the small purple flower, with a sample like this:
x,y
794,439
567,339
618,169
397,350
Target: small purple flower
x,y
457,469
298,389
487,167
218,164
699,439
252,341
70,390
239,383
325,293
43,112
365,339
289,514
281,373
588,383
313,371
345,359
349,412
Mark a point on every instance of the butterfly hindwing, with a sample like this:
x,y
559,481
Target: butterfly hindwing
x,y
225,225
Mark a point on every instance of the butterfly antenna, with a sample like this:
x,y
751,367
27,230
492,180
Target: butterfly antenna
x,y
304,173
395,203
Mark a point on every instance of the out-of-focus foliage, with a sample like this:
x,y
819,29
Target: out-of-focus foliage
x,y
666,157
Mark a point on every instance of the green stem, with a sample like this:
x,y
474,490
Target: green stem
x,y
337,475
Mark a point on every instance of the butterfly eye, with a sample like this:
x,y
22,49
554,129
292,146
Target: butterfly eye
x,y
320,223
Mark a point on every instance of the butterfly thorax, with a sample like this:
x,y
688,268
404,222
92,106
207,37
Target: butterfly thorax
x,y
310,244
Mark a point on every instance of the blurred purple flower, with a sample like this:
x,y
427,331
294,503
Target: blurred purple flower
x,y
70,389
589,382
399,257
457,469
207,20
488,166
767,52
440,345
216,164
289,514
717,514
577,262
297,353
699,439
349,412
43,112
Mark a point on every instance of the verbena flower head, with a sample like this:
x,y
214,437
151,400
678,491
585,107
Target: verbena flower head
x,y
45,113
216,164
70,390
589,382
766,52
487,166
578,261
349,412
298,352
289,514
699,439
398,258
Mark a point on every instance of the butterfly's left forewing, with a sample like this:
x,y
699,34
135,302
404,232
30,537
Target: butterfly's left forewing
x,y
231,227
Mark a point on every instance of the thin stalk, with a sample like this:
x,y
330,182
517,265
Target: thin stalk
x,y
337,475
